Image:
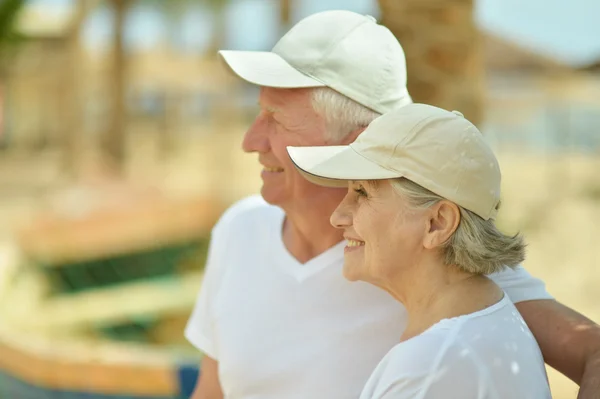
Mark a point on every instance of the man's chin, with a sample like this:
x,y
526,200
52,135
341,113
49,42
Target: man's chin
x,y
272,197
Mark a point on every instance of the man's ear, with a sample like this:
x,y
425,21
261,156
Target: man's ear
x,y
352,136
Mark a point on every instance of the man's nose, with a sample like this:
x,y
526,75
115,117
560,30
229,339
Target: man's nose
x,y
256,137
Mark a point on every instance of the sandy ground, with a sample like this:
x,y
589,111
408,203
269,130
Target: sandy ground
x,y
554,201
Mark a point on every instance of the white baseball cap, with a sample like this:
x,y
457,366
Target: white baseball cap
x,y
437,149
343,50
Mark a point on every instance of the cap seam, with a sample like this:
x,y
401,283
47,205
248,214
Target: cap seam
x,y
370,160
462,171
329,49
491,213
319,62
413,131
382,84
309,72
326,54
404,174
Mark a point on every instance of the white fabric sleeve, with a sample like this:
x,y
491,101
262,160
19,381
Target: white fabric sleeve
x,y
520,285
199,330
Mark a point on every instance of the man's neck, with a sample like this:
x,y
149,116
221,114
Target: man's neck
x,y
307,231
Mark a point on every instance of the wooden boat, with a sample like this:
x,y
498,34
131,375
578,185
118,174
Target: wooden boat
x,y
95,301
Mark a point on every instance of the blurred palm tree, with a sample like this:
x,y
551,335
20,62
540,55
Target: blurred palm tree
x,y
9,11
9,38
218,9
285,15
174,10
441,42
71,80
113,141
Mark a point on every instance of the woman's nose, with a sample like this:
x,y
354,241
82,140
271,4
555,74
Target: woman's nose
x,y
341,216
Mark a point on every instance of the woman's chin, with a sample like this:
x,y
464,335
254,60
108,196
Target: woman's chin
x,y
351,272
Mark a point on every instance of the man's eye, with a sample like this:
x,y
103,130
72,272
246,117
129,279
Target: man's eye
x,y
360,191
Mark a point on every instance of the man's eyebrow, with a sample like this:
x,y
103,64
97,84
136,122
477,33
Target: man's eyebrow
x,y
373,184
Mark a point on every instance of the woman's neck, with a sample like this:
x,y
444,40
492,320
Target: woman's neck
x,y
433,292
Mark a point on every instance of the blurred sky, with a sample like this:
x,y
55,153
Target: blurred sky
x,y
567,31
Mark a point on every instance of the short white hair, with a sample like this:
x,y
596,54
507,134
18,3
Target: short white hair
x,y
477,246
342,114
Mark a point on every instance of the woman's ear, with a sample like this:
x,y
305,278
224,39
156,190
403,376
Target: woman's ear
x,y
444,218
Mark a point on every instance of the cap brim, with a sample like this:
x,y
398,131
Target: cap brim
x,y
334,166
267,69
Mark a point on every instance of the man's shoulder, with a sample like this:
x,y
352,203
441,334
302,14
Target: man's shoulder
x,y
250,204
245,211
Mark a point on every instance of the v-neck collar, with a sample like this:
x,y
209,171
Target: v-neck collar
x,y
301,271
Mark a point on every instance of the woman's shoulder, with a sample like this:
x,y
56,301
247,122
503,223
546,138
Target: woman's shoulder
x,y
411,367
453,336
463,350
437,357
418,353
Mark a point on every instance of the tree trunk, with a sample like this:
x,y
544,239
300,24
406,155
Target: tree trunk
x,y
2,138
285,15
71,108
113,143
9,12
441,42
219,14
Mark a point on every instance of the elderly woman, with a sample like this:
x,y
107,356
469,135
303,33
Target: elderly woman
x,y
423,192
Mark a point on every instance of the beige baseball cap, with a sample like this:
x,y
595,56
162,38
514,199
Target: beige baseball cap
x,y
437,149
343,50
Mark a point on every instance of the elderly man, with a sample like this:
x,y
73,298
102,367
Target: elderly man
x,y
275,318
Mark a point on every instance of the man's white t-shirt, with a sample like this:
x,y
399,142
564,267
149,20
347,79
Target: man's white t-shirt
x,y
490,354
282,329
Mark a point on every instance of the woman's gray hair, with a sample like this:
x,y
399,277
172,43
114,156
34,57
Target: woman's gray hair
x,y
342,114
477,246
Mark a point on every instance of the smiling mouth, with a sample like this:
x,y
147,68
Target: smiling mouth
x,y
353,243
273,170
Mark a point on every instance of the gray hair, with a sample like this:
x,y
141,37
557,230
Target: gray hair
x,y
342,114
477,246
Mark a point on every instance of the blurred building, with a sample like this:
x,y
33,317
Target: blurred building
x,y
173,82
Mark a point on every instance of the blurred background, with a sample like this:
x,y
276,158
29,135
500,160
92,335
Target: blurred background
x,y
120,137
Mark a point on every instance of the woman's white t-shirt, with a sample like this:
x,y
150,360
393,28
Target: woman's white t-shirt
x,y
490,354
